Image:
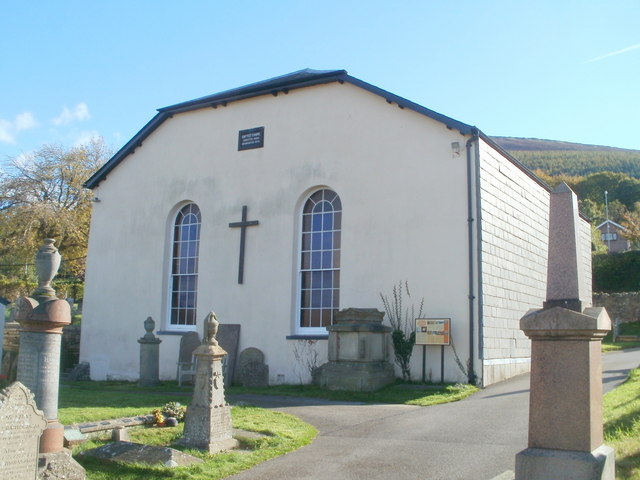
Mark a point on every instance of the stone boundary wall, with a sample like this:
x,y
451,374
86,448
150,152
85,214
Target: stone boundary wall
x,y
69,354
624,307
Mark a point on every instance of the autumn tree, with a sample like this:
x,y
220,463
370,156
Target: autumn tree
x,y
42,196
632,224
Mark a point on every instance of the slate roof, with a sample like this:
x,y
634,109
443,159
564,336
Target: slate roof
x,y
612,223
285,83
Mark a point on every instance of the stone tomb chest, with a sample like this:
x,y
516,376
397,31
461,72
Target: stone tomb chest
x,y
358,352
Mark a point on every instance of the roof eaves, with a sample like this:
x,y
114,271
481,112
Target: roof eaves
x,y
126,150
612,223
404,103
515,161
523,167
284,83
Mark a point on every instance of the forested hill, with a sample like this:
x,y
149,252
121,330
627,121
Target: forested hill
x,y
576,159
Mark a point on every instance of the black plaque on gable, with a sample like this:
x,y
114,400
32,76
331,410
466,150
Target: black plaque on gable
x,y
251,138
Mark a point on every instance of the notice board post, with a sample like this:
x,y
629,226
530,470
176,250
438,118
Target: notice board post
x,y
433,331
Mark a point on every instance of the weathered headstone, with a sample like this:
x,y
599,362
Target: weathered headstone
x,y
358,352
21,425
208,419
253,371
149,356
228,338
186,361
565,413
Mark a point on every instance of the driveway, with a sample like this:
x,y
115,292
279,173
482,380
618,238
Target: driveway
x,y
474,439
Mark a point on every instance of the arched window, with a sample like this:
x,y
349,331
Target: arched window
x,y
184,267
320,261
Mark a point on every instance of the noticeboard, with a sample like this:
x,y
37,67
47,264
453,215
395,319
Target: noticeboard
x,y
433,331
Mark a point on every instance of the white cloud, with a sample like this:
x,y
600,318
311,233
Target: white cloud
x,y
617,52
9,130
25,121
83,138
79,113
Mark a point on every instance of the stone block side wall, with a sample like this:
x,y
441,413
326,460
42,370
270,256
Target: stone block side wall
x,y
624,307
515,227
587,271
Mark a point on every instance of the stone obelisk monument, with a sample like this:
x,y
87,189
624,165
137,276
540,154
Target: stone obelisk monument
x,y
565,412
208,421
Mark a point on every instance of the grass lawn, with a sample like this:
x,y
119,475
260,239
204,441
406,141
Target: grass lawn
x,y
85,402
90,401
622,426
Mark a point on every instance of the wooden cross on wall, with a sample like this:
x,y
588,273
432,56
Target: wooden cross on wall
x,y
243,224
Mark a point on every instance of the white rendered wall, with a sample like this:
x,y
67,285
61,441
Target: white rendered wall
x,y
403,194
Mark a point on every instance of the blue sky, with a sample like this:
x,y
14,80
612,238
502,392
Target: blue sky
x,y
561,70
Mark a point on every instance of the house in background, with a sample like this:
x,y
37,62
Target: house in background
x,y
611,235
278,203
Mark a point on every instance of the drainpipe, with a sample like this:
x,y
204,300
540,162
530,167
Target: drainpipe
x,y
470,367
479,257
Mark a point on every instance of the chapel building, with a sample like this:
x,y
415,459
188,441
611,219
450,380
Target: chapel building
x,y
278,203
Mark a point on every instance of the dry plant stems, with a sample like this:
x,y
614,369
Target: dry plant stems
x,y
306,354
463,369
402,322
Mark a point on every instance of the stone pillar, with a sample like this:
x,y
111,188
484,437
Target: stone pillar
x,y
565,408
149,356
42,318
208,420
358,352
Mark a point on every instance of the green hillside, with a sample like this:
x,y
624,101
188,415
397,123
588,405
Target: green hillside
x,y
575,159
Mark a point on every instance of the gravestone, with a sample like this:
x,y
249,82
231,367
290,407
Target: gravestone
x,y
149,356
128,452
208,420
21,425
186,361
358,352
228,338
253,371
565,412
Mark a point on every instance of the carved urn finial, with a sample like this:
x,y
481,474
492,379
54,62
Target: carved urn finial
x,y
149,325
47,265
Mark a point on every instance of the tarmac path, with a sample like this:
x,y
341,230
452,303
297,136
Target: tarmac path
x,y
473,439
